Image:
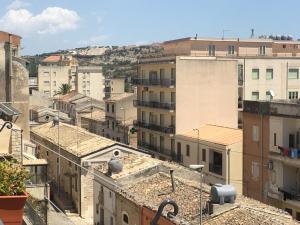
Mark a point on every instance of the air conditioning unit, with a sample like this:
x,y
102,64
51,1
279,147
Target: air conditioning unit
x,y
270,165
87,163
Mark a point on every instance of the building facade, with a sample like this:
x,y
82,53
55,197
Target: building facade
x,y
219,149
168,88
271,154
56,70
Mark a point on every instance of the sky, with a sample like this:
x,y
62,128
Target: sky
x,y
50,25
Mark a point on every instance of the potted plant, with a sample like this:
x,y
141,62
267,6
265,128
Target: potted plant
x,y
12,192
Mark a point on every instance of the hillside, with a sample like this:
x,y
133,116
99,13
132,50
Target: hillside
x,y
116,61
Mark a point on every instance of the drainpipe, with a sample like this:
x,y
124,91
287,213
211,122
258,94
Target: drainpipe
x,y
261,154
286,81
228,159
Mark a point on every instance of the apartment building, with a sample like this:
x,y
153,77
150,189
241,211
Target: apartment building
x,y
264,69
62,145
172,97
114,86
219,149
56,70
14,94
271,157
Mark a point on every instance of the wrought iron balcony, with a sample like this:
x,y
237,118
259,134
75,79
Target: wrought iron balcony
x,y
167,130
149,82
154,104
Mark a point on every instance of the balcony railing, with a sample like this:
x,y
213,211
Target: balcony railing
x,y
153,104
155,149
167,130
217,169
148,82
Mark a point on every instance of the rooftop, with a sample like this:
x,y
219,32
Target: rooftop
x,y
215,134
73,139
132,163
118,97
98,115
52,58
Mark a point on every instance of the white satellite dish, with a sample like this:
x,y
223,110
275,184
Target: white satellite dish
x,y
272,93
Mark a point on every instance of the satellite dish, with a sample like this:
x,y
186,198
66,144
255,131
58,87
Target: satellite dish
x,y
272,93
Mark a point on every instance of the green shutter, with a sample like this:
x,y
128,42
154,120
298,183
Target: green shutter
x,y
255,74
269,74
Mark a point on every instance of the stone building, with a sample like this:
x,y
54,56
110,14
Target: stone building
x,y
13,83
66,148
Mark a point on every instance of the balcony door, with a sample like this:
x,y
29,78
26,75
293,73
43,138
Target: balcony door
x,y
153,76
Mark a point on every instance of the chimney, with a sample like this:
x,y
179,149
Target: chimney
x,y
172,180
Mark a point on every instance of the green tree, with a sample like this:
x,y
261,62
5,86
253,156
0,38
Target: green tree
x,y
64,89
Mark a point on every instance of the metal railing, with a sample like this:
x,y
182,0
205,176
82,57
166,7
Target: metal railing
x,y
161,82
154,104
217,169
167,130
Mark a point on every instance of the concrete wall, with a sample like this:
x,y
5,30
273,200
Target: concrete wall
x,y
206,93
129,208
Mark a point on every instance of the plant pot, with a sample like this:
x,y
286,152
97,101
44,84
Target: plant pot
x,y
12,209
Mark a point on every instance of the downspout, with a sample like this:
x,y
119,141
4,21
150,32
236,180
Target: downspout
x,y
286,82
228,159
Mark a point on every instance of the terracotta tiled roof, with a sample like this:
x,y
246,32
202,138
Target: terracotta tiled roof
x,y
117,97
73,139
52,58
216,134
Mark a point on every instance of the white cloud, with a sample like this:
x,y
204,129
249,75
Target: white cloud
x,y
17,4
95,40
51,20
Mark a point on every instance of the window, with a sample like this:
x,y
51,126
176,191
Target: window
x,y
110,194
47,92
111,220
125,218
107,107
187,150
54,83
293,74
262,50
161,143
255,170
162,73
113,125
298,216
70,164
211,50
240,73
255,96
255,133
107,123
76,187
269,74
255,74
112,108
173,72
275,141
293,94
46,74
230,50
269,96
143,116
204,155
47,153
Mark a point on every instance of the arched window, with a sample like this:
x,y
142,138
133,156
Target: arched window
x,y
125,218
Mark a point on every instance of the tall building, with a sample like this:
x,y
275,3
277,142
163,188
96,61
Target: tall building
x,y
172,97
14,95
56,70
262,69
271,157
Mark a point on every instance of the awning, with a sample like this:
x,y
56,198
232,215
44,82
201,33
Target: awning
x,y
7,109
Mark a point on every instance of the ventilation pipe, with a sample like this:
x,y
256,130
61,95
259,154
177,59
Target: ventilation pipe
x,y
172,180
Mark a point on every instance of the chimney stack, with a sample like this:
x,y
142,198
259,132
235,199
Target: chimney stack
x,y
172,180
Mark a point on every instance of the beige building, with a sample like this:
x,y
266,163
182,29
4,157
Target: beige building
x,y
56,70
204,77
172,97
271,158
114,86
65,147
219,149
14,94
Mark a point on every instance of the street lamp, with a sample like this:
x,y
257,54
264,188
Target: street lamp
x,y
199,168
124,134
198,145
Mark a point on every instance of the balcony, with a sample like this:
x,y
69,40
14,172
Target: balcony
x,y
167,130
214,168
155,150
154,104
154,82
289,156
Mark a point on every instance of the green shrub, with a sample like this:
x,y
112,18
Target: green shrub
x,y
12,178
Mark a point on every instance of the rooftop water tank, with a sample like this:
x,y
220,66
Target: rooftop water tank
x,y
222,193
115,165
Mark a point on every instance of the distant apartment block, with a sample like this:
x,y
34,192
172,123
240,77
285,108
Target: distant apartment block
x,y
56,70
271,158
114,86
